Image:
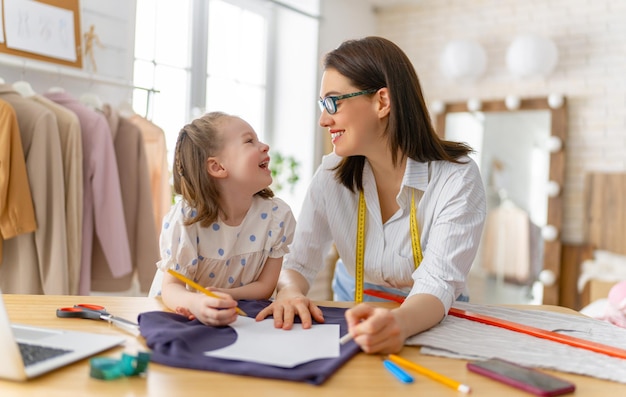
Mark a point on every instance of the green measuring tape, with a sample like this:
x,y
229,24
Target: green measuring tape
x,y
360,244
107,368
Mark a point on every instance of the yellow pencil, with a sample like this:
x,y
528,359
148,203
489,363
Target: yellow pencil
x,y
429,373
200,288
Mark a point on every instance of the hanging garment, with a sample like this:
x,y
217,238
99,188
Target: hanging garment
x,y
511,247
136,198
36,263
17,215
72,157
156,151
103,212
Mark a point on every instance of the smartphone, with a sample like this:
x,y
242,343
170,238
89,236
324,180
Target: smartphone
x,y
524,378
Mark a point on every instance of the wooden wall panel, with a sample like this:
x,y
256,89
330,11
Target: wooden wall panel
x,y
572,257
605,211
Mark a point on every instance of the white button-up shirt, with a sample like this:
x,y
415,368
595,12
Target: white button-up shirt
x,y
450,214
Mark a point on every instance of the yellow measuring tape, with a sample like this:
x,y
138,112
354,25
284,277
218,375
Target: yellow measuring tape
x,y
360,250
360,244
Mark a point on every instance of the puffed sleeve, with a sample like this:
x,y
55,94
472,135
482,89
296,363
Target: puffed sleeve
x,y
178,242
282,230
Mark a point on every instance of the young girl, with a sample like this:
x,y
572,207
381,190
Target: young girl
x,y
228,233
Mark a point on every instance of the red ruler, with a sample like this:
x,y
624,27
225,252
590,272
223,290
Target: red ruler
x,y
540,333
384,295
513,326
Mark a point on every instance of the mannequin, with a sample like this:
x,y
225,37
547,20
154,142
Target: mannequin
x,y
90,38
24,88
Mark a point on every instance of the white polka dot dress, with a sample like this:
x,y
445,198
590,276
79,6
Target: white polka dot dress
x,y
225,256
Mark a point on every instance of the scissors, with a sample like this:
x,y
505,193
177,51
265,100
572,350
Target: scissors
x,y
97,312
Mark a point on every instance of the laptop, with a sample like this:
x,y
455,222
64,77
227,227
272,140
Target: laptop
x,y
29,351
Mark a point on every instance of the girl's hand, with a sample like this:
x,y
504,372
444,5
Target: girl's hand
x,y
375,329
185,312
285,307
214,311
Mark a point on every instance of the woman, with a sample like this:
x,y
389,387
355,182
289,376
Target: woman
x,y
404,208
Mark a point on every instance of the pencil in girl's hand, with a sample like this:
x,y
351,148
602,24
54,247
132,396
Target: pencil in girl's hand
x,y
200,288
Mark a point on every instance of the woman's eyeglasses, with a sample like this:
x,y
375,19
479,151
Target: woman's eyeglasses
x,y
330,102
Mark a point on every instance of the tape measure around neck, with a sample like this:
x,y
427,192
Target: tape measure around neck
x,y
360,244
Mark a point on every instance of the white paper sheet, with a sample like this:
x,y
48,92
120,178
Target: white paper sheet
x,y
466,339
259,341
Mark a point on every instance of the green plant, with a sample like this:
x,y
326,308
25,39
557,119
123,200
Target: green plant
x,y
284,171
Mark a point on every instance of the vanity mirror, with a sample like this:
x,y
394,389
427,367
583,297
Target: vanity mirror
x,y
519,149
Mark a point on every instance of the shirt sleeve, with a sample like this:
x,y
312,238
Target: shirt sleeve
x,y
457,219
17,214
285,225
178,242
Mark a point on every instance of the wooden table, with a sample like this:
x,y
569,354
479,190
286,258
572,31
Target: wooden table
x,y
362,376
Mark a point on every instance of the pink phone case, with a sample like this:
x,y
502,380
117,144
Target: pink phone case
x,y
524,378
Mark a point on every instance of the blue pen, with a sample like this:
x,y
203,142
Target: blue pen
x,y
398,372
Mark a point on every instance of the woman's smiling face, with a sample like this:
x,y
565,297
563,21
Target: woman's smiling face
x,y
354,128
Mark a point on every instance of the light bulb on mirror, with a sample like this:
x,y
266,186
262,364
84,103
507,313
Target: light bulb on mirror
x,y
437,107
549,233
474,105
554,144
553,189
555,101
512,102
547,278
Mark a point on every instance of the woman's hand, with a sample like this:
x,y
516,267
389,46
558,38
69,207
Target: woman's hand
x,y
375,329
285,308
381,330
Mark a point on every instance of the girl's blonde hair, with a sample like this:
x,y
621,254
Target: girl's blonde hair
x,y
196,142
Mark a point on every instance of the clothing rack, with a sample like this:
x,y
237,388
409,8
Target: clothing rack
x,y
38,66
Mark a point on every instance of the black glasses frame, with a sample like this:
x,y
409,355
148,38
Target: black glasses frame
x,y
329,103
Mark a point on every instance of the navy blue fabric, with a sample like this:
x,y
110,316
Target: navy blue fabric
x,y
178,342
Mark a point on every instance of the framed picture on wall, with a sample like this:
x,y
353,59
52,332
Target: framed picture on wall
x,y
45,30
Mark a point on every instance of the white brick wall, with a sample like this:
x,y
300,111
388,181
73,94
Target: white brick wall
x,y
591,73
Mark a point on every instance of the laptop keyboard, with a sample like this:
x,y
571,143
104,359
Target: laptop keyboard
x,y
32,354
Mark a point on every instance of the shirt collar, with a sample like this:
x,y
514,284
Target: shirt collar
x,y
416,175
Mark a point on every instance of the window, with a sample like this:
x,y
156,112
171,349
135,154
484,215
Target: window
x,y
237,62
201,56
163,62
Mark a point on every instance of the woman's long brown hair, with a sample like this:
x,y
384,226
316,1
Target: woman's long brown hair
x,y
374,63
